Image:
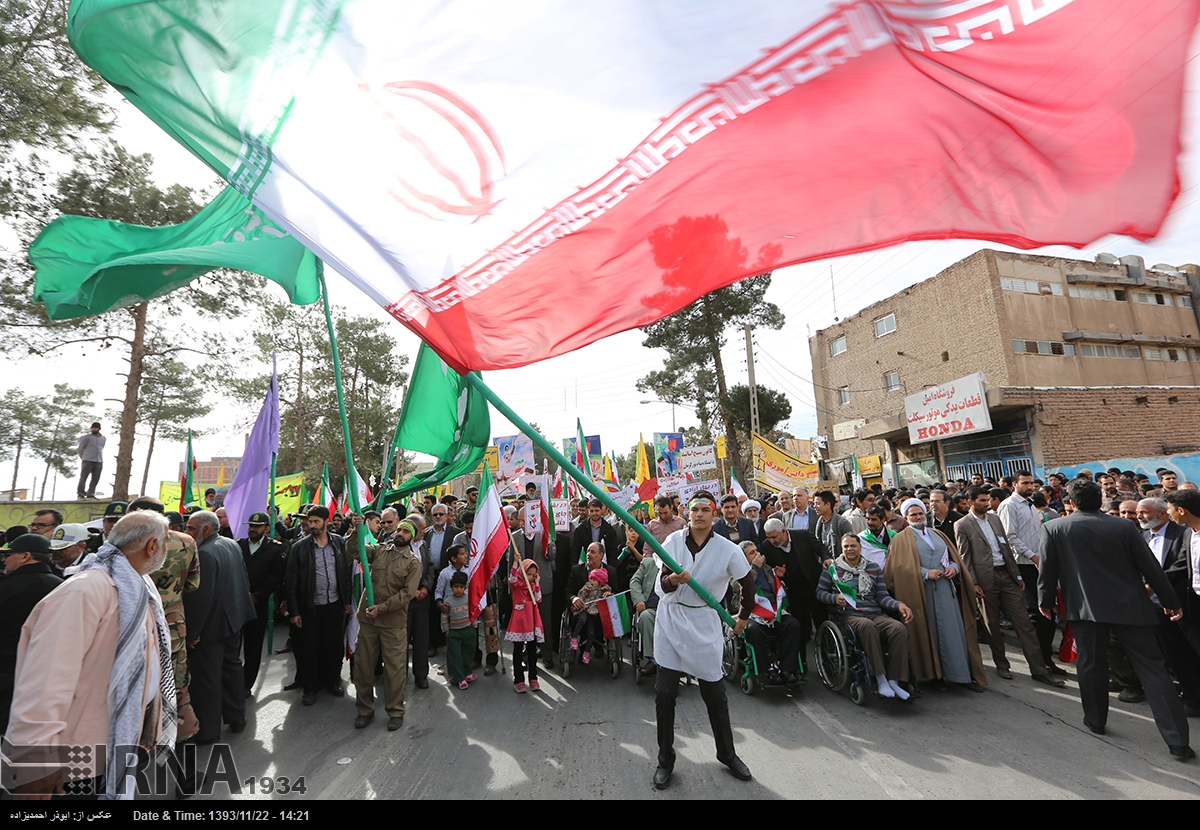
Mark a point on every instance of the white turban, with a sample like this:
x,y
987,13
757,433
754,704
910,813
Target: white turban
x,y
750,503
910,503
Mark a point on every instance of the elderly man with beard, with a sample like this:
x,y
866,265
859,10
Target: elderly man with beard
x,y
94,668
396,571
925,572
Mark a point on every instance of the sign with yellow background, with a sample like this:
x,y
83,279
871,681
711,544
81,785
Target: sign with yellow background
x,y
778,469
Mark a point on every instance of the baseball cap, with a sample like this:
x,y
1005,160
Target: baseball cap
x,y
66,535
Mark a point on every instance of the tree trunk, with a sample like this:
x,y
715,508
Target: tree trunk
x,y
17,459
299,407
133,385
731,439
149,453
50,457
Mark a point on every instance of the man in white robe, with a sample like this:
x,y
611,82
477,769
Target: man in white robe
x,y
688,636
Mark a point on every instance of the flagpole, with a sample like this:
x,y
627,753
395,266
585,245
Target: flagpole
x,y
271,599
589,485
355,507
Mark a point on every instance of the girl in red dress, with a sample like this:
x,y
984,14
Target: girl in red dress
x,y
525,624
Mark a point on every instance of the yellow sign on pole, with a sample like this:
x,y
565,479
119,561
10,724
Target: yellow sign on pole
x,y
721,446
492,456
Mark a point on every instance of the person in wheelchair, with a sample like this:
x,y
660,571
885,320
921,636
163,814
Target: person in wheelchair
x,y
862,604
770,619
645,603
579,591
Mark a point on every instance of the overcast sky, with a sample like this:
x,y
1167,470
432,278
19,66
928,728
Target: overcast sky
x,y
595,383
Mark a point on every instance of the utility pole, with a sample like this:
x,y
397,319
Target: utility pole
x,y
753,406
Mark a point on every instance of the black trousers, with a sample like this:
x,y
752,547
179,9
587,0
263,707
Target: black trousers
x,y
787,631
321,648
418,635
1182,659
1141,644
1042,627
217,685
666,690
524,657
253,634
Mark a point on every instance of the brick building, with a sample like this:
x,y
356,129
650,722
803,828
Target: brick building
x,y
209,473
1083,361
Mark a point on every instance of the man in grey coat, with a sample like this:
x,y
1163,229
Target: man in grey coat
x,y
216,612
1103,566
91,461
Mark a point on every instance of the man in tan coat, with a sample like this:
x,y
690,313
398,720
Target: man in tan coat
x,y
101,635
383,627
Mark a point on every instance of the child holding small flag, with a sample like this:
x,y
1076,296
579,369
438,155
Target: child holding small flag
x,y
588,620
525,624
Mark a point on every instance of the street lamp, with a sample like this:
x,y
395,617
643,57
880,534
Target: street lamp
x,y
672,403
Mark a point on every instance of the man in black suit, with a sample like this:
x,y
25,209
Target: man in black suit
x,y
941,517
265,561
1170,542
26,562
804,558
733,527
1101,563
216,613
594,529
1184,509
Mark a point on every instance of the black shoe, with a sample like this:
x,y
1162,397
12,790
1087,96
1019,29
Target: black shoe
x,y
548,661
1114,686
662,778
1131,696
310,698
939,684
433,651
488,671
1099,730
240,726
362,720
1004,674
395,723
295,684
790,680
1182,753
972,686
737,767
1058,671
422,682
1057,682
337,691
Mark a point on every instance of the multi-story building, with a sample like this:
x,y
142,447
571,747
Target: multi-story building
x,y
1084,363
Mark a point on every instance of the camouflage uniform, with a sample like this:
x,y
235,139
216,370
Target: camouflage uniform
x,y
179,575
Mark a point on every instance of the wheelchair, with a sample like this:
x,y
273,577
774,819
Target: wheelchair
x,y
569,658
742,664
841,662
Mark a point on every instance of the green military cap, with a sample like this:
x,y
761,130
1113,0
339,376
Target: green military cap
x,y
29,543
174,517
190,509
116,508
259,519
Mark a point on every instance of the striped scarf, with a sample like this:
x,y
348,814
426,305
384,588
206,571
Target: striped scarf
x,y
136,596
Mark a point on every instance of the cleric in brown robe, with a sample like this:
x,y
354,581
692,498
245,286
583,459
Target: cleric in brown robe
x,y
925,572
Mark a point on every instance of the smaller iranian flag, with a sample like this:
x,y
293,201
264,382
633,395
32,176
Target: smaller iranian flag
x,y
766,606
735,486
489,541
615,618
848,590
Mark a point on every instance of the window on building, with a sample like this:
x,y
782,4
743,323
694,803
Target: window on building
x,y
1088,292
836,347
1183,301
1052,347
844,395
885,325
1173,355
1104,350
1031,286
891,381
1147,298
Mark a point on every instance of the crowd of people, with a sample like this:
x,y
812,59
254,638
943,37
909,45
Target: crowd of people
x,y
150,632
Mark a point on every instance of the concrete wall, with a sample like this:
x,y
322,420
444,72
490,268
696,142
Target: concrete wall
x,y
1186,466
21,512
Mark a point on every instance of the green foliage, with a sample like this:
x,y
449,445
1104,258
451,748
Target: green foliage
x,y
773,407
65,416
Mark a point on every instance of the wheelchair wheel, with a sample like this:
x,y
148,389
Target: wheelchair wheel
x,y
613,649
731,662
565,657
858,694
749,684
635,650
832,656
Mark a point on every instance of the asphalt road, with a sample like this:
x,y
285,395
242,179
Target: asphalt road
x,y
594,737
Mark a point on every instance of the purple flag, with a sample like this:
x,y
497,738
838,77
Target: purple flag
x,y
248,493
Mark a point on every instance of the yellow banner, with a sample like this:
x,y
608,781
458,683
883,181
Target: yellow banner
x,y
870,465
492,456
288,491
721,452
780,470
168,494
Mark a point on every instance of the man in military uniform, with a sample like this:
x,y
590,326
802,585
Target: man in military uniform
x,y
179,575
265,565
112,513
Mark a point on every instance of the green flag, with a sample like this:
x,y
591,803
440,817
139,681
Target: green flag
x,y
88,266
442,416
187,479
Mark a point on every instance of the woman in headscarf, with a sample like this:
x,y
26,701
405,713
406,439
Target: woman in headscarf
x,y
925,572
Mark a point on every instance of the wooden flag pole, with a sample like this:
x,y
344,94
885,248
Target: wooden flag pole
x,y
599,492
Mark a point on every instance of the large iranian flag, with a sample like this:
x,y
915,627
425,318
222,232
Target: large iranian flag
x,y
489,540
477,168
